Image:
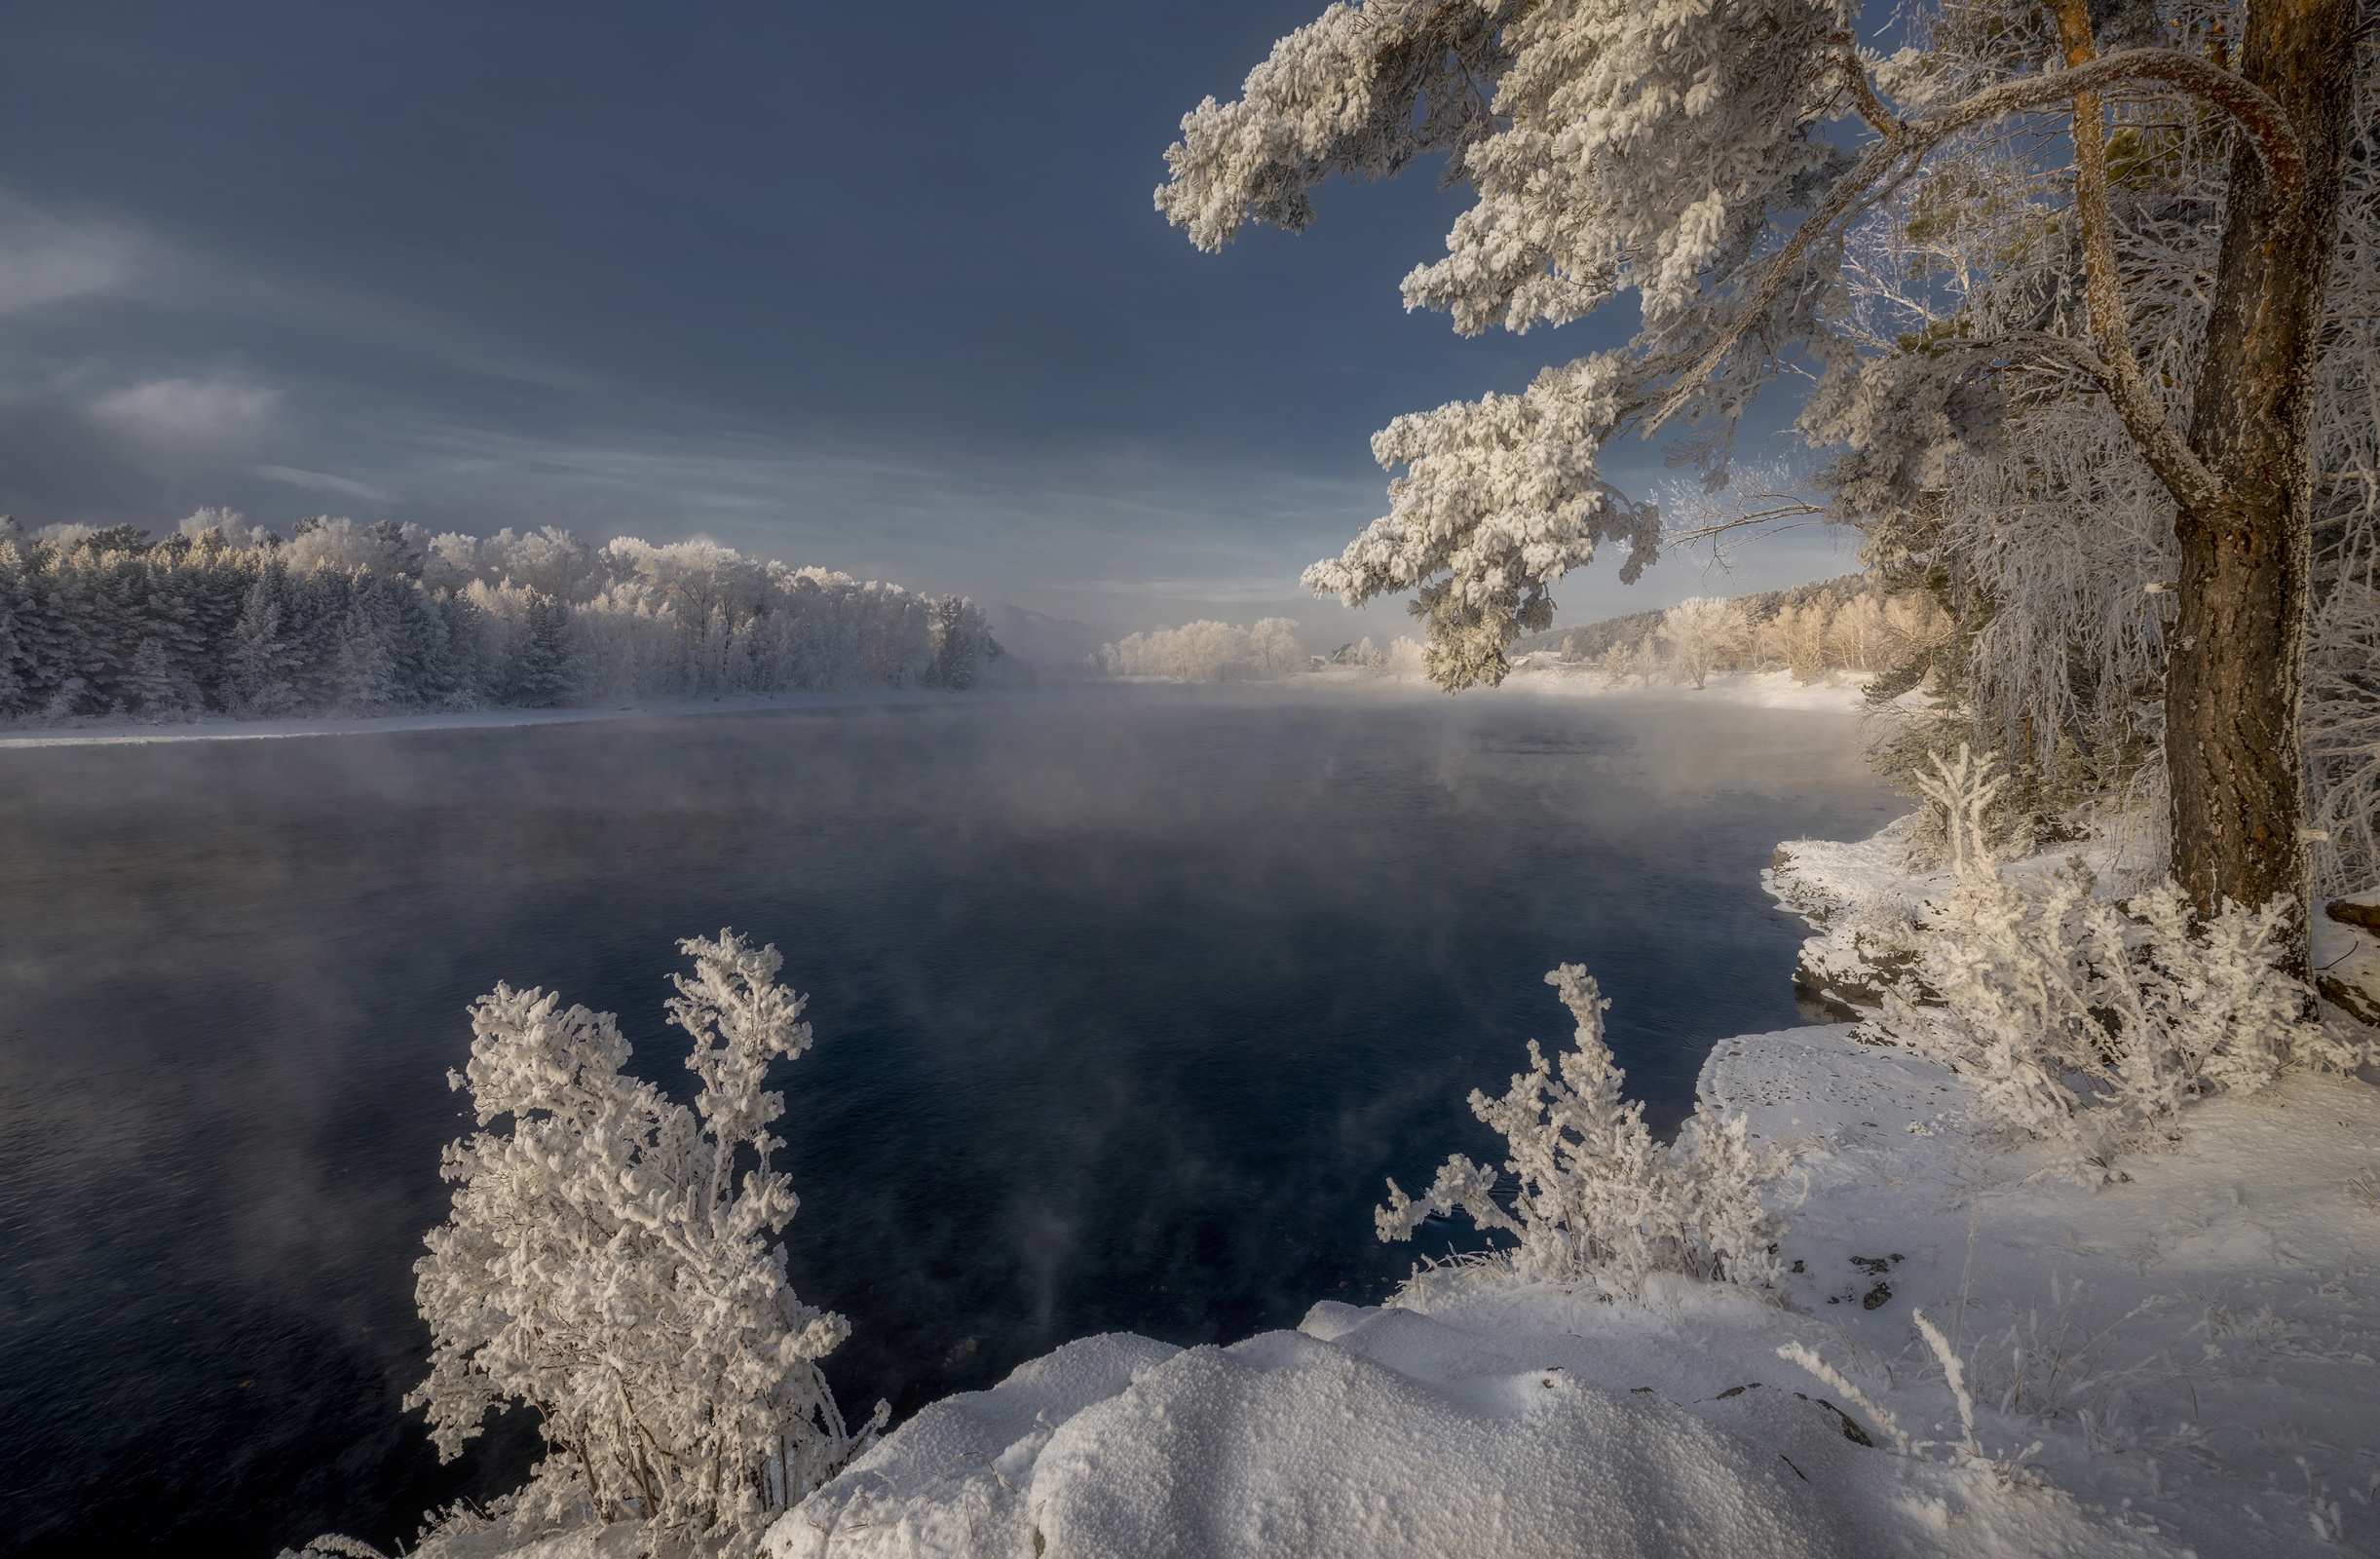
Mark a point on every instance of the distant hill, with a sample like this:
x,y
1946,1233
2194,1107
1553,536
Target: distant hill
x,y
1594,638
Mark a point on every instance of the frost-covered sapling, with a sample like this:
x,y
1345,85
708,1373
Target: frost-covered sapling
x,y
604,1265
1598,1199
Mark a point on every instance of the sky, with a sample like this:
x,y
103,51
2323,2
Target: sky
x,y
880,290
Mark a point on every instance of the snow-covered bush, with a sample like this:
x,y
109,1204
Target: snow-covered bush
x,y
1599,1201
2084,1021
604,1266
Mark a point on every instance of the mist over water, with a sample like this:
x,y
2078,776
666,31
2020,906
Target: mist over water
x,y
1126,1002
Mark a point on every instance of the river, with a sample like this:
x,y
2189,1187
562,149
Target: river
x,y
1126,1002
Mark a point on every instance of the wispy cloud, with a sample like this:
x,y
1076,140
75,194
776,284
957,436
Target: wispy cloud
x,y
47,259
323,481
208,412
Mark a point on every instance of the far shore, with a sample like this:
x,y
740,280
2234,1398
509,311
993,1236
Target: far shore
x,y
1840,692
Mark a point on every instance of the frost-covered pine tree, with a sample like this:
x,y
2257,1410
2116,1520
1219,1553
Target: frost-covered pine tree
x,y
13,661
365,667
152,685
260,655
1691,154
606,1265
540,676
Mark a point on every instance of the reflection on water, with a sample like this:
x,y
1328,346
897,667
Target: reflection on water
x,y
1126,1002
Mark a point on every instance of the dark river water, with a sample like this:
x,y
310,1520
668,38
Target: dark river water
x,y
1126,1002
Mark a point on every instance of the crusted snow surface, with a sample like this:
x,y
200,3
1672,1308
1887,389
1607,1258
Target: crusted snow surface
x,y
2193,1345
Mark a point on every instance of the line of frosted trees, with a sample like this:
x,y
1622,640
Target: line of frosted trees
x,y
346,619
1206,652
1695,639
1220,652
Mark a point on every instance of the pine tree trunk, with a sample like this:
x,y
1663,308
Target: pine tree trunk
x,y
2236,655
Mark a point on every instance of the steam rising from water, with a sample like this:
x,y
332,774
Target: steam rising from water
x,y
1126,1002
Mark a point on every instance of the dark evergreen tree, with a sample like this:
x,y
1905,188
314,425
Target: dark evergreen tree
x,y
542,674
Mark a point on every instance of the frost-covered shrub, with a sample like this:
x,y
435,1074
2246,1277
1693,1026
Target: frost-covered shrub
x,y
2084,1021
604,1266
1599,1201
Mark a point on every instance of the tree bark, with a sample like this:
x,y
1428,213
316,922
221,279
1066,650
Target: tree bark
x,y
2236,655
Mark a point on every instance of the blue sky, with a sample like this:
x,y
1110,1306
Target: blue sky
x,y
877,288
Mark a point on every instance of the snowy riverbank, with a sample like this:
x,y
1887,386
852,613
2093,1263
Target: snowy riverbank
x,y
2193,1353
1546,676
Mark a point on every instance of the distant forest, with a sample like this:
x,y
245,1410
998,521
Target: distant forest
x,y
338,618
1595,640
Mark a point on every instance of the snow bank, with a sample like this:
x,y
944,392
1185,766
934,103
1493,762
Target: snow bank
x,y
2347,962
1365,1434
